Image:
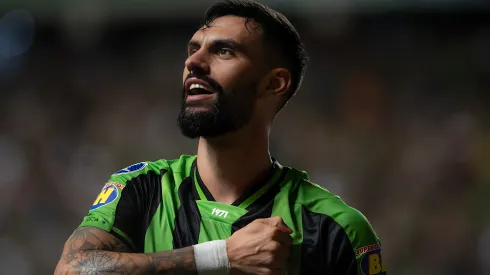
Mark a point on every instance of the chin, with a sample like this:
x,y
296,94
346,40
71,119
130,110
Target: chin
x,y
198,110
204,104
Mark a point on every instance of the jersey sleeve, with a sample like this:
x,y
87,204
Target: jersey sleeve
x,y
122,206
358,247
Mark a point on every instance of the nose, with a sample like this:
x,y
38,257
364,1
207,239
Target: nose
x,y
198,63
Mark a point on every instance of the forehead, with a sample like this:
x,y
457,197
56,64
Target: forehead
x,y
231,27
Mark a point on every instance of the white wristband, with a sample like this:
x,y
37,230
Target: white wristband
x,y
211,258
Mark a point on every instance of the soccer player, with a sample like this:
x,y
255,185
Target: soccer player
x,y
232,209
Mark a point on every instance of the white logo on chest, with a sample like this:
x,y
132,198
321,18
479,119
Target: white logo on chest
x,y
219,212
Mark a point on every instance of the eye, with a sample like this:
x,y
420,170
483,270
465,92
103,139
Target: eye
x,y
192,51
225,52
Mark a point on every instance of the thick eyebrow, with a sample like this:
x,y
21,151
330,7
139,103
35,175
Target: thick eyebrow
x,y
219,43
193,44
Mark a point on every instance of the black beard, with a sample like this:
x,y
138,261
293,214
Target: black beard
x,y
229,112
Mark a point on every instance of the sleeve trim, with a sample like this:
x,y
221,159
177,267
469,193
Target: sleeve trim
x,y
96,221
124,236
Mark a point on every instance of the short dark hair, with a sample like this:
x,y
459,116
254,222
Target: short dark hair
x,y
277,31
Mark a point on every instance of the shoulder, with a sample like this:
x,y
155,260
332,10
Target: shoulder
x,y
317,199
320,200
347,222
145,169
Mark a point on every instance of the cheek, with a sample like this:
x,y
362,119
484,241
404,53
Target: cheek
x,y
231,76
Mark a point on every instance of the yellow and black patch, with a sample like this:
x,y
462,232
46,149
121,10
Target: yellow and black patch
x,y
372,263
108,194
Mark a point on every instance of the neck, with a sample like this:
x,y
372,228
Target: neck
x,y
230,165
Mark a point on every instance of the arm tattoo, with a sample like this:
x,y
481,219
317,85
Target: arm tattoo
x,y
96,262
86,239
93,251
179,261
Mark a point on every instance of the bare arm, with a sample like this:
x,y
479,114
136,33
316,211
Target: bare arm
x,y
90,250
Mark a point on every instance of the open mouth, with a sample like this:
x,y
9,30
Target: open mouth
x,y
198,89
197,92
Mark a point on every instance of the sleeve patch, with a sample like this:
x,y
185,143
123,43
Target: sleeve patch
x,y
367,248
132,168
372,263
108,195
120,186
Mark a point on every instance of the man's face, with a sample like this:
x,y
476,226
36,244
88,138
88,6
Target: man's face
x,y
221,78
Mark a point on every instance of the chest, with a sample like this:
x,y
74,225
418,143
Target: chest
x,y
187,219
197,221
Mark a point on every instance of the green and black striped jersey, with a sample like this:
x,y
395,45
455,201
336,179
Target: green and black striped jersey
x,y
164,205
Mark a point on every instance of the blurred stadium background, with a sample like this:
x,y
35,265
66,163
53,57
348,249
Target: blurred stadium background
x,y
393,116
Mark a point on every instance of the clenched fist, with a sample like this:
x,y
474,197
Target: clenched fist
x,y
261,248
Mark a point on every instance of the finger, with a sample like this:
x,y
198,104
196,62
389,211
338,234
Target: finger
x,y
281,237
272,221
261,221
285,229
275,221
278,222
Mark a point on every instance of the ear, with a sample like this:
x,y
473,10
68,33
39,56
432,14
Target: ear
x,y
278,81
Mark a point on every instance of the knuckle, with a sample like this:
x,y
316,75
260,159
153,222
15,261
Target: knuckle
x,y
272,258
275,234
275,246
273,231
267,261
277,219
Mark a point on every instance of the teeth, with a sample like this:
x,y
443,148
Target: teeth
x,y
197,86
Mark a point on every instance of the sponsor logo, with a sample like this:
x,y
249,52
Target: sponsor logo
x,y
372,263
118,185
367,248
108,194
132,168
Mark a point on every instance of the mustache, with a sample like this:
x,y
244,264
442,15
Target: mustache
x,y
211,82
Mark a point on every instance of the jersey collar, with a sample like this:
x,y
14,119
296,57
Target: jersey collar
x,y
201,192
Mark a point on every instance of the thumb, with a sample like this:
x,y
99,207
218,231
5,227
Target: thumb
x,y
279,223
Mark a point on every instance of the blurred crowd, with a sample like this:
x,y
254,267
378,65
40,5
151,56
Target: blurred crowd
x,y
393,116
